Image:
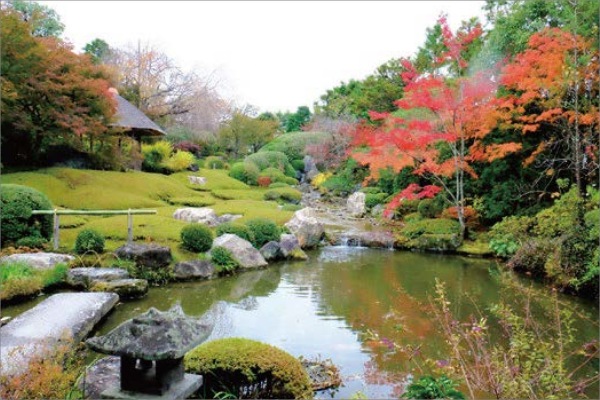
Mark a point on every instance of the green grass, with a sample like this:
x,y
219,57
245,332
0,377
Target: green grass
x,y
87,189
19,279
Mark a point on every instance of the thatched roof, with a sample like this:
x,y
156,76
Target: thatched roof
x,y
132,120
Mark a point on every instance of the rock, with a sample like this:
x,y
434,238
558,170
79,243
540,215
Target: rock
x,y
381,240
146,255
125,288
377,211
243,252
4,320
356,204
227,218
193,168
306,227
84,277
195,269
197,180
271,251
38,260
290,248
103,373
61,316
202,215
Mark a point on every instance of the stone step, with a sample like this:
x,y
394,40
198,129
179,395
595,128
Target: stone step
x,y
63,316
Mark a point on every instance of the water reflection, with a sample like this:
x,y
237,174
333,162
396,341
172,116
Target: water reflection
x,y
348,304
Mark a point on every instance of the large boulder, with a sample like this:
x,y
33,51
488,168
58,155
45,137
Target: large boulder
x,y
194,269
242,251
271,251
84,277
356,204
290,248
146,255
202,215
306,227
38,260
125,288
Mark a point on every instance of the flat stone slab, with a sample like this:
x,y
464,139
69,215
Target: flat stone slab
x,y
146,255
125,288
84,277
38,260
62,316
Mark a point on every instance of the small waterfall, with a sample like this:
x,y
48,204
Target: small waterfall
x,y
344,241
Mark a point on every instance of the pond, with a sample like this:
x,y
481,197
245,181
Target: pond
x,y
346,304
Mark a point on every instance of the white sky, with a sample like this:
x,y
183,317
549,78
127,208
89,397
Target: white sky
x,y
274,55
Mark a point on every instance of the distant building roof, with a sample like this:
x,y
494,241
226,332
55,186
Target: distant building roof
x,y
132,119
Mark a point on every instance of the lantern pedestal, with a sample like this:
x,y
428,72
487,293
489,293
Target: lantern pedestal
x,y
179,390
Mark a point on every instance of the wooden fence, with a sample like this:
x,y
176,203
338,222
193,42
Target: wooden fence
x,y
57,213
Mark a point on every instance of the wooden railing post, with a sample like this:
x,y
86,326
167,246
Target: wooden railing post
x,y
129,227
56,229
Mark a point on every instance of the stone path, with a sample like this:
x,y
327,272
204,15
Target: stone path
x,y
61,316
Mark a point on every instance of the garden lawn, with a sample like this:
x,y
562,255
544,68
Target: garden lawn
x,y
109,190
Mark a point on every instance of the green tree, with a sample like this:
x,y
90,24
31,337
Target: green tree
x,y
293,122
42,20
97,49
244,135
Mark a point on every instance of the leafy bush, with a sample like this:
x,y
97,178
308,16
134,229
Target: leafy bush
x,y
428,387
370,190
289,171
298,164
287,194
179,161
196,237
188,146
274,174
89,241
293,144
17,203
339,185
428,208
277,185
246,172
248,369
237,229
290,181
33,242
155,155
264,230
508,235
437,226
270,159
372,199
223,260
213,162
531,257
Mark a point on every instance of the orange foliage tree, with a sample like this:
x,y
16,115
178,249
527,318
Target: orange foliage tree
x,y
553,93
442,123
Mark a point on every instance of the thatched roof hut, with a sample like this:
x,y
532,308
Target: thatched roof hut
x,y
132,121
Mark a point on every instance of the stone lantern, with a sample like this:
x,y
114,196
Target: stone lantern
x,y
151,347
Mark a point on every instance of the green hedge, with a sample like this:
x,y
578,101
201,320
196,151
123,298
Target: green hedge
x,y
17,203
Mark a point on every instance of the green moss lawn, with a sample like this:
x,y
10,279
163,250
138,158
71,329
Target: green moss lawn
x,y
108,190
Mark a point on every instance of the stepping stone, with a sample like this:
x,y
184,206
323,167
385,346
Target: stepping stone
x,y
84,277
125,288
63,316
38,260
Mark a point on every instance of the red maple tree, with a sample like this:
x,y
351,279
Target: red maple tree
x,y
440,126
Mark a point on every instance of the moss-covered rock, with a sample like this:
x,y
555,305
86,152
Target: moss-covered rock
x,y
248,369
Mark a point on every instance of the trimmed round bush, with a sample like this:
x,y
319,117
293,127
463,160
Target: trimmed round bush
x,y
213,162
223,260
249,370
88,241
264,230
246,172
273,173
289,171
290,181
17,203
298,164
428,208
237,229
196,237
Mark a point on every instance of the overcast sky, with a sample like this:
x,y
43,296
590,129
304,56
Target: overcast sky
x,y
274,55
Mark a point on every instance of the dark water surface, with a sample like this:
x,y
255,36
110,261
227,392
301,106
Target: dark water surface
x,y
351,305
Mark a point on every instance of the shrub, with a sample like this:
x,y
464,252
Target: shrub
x,y
277,185
289,171
264,230
339,185
246,172
179,161
470,215
274,174
371,190
298,165
438,226
237,229
17,203
290,181
428,387
188,146
264,181
223,260
293,144
270,159
248,369
372,199
88,241
508,235
213,162
287,194
196,237
155,155
33,242
429,208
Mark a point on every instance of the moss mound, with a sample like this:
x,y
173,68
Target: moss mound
x,y
248,369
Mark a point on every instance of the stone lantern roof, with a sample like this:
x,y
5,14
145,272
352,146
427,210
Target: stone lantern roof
x,y
154,335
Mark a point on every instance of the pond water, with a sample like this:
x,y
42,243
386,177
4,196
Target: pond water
x,y
350,305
